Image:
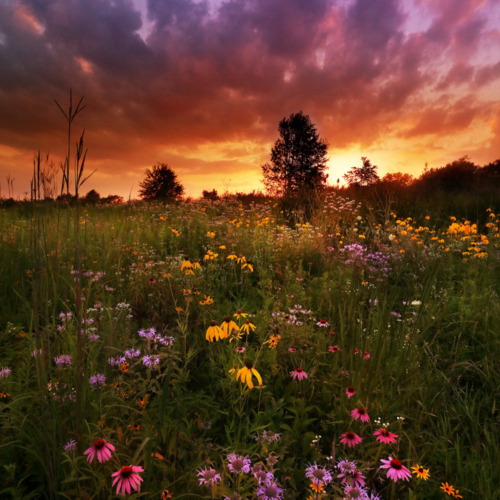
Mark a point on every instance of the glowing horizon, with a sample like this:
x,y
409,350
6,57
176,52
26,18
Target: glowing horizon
x,y
202,85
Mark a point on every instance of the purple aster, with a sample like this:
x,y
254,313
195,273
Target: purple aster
x,y
93,336
97,380
356,492
208,477
238,464
318,475
132,353
70,446
150,361
260,474
269,491
63,360
5,372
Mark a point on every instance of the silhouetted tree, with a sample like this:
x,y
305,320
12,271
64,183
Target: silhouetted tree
x,y
298,158
93,196
114,199
210,195
398,179
366,175
457,175
160,184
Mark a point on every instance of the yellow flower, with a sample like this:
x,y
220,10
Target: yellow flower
x,y
179,309
241,260
196,264
228,325
246,327
248,265
233,369
186,264
207,301
421,472
245,374
232,256
456,495
189,271
240,314
166,275
317,488
234,336
222,247
447,488
211,234
214,331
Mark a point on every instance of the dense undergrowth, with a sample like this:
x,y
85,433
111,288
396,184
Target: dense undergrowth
x,y
404,313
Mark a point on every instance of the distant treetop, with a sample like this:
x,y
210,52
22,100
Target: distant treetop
x,y
160,184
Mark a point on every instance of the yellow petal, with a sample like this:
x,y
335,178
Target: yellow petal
x,y
249,379
257,375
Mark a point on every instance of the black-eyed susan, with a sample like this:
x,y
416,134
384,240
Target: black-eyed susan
x,y
235,336
248,266
214,331
228,325
196,264
245,374
186,264
247,326
421,472
239,314
232,256
208,300
241,259
456,495
448,488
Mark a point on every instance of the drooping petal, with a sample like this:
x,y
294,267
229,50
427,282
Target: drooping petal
x,y
257,375
249,379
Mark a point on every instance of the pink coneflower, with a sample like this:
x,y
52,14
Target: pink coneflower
x,y
208,477
152,280
298,374
240,350
396,470
292,349
361,414
238,464
127,479
299,279
323,322
367,355
350,439
384,436
334,348
356,351
350,392
352,478
102,449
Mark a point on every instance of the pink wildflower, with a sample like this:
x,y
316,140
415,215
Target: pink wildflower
x,y
127,479
298,374
361,414
396,470
350,439
350,392
102,449
384,436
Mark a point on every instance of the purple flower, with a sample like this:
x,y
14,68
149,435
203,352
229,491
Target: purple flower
x,y
63,360
238,464
318,474
356,492
323,322
93,336
117,361
150,361
97,380
269,490
5,372
260,474
70,446
208,477
132,353
36,352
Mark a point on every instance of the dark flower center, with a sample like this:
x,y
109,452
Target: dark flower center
x,y
350,436
350,389
299,370
247,321
361,411
237,464
396,464
208,475
347,467
271,491
354,493
213,323
227,319
249,364
319,473
384,432
420,470
238,311
126,471
261,474
186,258
99,444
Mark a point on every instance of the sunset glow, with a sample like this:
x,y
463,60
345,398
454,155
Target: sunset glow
x,y
202,85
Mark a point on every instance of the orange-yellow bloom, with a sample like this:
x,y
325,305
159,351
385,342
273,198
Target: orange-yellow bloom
x,y
186,264
245,374
421,472
246,327
214,331
228,325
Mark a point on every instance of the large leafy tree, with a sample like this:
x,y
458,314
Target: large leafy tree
x,y
366,175
160,184
298,158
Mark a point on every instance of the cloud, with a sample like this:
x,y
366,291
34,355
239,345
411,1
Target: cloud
x,y
219,76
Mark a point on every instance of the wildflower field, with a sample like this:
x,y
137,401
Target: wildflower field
x,y
225,351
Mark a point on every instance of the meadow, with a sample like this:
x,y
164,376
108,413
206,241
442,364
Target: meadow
x,y
215,349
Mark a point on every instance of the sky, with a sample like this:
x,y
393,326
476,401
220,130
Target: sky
x,y
202,85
